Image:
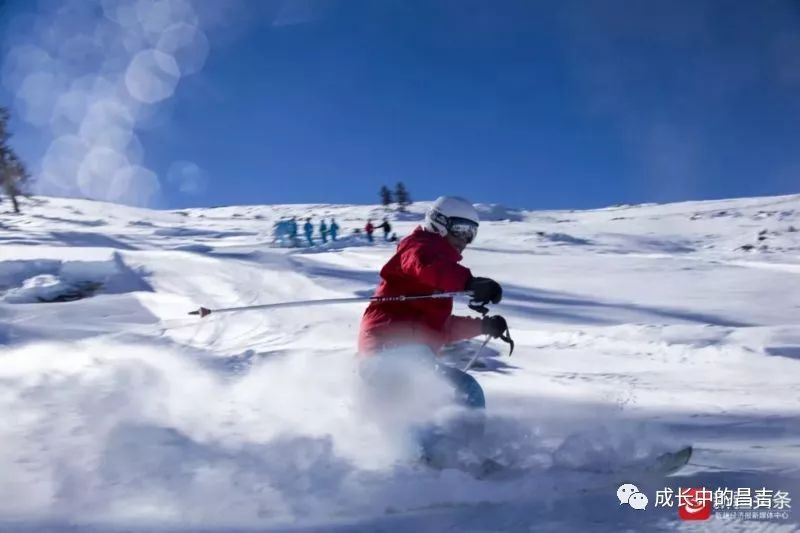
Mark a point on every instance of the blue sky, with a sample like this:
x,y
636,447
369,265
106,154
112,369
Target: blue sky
x,y
557,104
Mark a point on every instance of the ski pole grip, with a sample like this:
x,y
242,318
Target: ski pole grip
x,y
479,307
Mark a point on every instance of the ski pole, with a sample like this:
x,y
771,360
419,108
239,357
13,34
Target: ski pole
x,y
505,337
204,312
476,354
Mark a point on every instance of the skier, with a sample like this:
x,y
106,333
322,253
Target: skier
x,y
368,229
308,229
323,230
427,261
333,229
280,230
293,231
387,228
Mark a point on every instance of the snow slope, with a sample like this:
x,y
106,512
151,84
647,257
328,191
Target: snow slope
x,y
638,328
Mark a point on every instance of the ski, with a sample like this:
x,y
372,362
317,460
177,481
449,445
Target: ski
x,y
670,462
664,464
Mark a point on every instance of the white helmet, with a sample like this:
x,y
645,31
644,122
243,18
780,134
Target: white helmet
x,y
453,215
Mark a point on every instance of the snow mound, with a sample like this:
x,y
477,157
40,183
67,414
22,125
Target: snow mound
x,y
193,232
408,216
48,280
195,248
562,238
50,288
497,212
353,240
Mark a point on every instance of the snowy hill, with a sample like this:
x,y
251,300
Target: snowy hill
x,y
638,328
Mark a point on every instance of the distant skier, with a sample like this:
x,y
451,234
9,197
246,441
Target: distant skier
x,y
387,228
368,229
427,261
308,229
333,229
280,232
323,231
293,231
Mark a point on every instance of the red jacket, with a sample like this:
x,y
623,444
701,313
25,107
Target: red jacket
x,y
424,263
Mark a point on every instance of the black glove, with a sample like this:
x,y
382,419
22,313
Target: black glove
x,y
494,326
485,290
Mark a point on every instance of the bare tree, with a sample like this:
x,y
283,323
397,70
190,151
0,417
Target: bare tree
x,y
13,174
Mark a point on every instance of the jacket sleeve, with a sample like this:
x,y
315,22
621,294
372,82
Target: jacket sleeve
x,y
458,328
434,271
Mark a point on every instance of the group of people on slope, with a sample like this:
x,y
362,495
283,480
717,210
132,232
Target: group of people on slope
x,y
325,230
369,229
288,230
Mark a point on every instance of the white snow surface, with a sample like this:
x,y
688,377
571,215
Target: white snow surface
x,y
638,328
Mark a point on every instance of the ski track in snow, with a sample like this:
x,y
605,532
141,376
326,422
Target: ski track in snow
x,y
638,328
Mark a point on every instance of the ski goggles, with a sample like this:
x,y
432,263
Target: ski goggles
x,y
462,229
